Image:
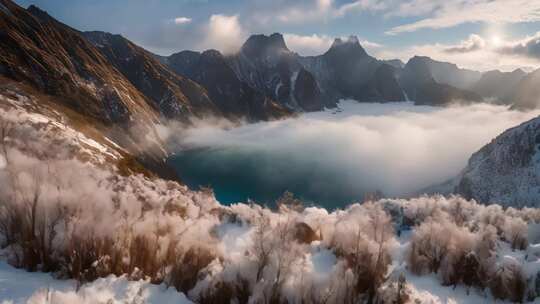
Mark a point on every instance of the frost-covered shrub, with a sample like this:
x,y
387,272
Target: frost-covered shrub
x,y
515,232
508,281
395,291
79,217
85,222
456,254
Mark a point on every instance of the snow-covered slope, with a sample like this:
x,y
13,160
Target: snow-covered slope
x,y
20,287
507,170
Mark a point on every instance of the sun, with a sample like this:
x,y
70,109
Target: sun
x,y
496,40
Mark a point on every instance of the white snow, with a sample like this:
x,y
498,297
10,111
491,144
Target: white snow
x,y
47,129
18,286
429,291
323,260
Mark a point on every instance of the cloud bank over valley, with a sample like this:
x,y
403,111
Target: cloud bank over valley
x,y
338,156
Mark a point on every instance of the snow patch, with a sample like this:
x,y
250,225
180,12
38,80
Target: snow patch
x,y
21,287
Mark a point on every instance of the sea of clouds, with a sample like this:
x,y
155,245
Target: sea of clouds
x,y
396,148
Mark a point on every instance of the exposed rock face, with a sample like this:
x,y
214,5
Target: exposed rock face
x,y
441,94
54,60
231,96
396,63
172,95
384,84
498,85
347,71
418,80
57,60
306,92
267,65
507,170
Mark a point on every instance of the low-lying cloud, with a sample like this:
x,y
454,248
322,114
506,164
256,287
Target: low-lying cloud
x,y
528,47
396,148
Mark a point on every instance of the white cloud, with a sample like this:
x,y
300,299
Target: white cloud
x,y
370,45
361,5
396,148
475,52
224,33
528,47
300,11
305,11
473,43
309,45
448,13
182,20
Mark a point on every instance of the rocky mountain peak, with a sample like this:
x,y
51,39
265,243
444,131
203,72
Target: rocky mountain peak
x,y
418,68
348,46
212,54
36,11
259,45
418,60
352,39
40,14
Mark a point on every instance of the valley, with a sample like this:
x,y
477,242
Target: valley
x,y
260,174
362,149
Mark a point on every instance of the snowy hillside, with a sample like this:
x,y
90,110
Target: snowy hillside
x,y
507,170
68,209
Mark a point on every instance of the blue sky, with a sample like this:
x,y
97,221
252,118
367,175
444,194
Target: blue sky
x,y
481,34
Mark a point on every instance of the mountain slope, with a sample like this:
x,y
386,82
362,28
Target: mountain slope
x,y
57,60
498,85
419,80
507,170
347,71
171,95
267,65
450,74
233,97
526,94
45,57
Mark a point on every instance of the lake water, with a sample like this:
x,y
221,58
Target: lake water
x,y
237,175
